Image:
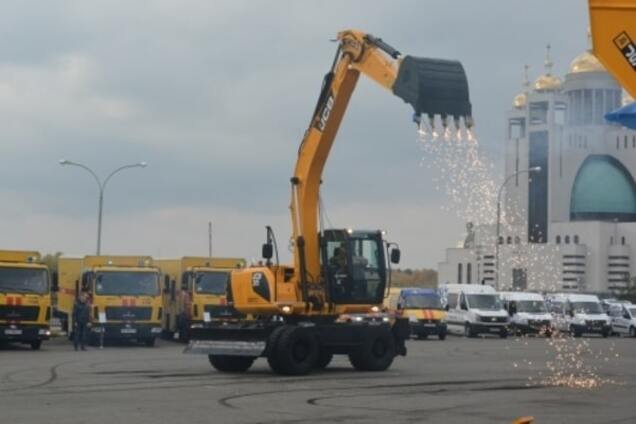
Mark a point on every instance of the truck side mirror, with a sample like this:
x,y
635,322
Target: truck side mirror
x,y
55,284
395,256
267,251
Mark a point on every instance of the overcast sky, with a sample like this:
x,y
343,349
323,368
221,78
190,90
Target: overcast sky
x,y
216,95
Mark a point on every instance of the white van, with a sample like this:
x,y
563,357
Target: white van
x,y
474,309
528,313
579,314
623,316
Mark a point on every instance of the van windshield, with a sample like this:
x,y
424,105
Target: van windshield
x,y
587,308
23,280
212,282
421,301
632,312
487,302
531,306
127,283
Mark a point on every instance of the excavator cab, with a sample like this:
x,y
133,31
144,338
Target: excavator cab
x,y
354,266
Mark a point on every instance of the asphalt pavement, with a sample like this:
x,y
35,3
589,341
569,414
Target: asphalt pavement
x,y
453,381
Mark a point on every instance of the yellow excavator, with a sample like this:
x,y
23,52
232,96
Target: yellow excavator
x,y
613,25
297,311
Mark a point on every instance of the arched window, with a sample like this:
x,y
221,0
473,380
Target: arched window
x,y
459,273
576,239
517,240
623,241
567,239
469,273
509,240
558,239
500,241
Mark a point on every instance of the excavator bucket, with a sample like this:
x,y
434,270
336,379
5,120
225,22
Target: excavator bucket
x,y
434,87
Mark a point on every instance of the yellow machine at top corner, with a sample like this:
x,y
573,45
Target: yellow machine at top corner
x,y
124,293
25,298
613,26
195,293
334,271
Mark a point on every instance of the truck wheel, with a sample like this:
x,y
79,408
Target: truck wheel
x,y
150,342
468,330
272,343
324,359
574,332
442,335
605,333
228,363
36,344
296,351
376,352
632,331
503,333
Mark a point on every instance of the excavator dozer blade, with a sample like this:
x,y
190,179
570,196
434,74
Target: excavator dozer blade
x,y
433,86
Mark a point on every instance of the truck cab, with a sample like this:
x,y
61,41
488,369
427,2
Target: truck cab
x,y
124,293
623,316
528,313
25,298
579,314
475,309
423,308
195,293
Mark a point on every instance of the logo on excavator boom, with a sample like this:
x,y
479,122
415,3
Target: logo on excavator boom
x,y
627,48
324,113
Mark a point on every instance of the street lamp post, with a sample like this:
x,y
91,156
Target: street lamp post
x,y
523,171
101,185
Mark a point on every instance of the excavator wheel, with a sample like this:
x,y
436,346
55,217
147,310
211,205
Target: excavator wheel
x,y
272,343
231,364
294,352
376,352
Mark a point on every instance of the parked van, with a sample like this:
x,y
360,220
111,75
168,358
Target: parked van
x,y
423,308
579,314
623,317
528,313
474,309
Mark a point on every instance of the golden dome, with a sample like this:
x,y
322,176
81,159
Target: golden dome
x,y
520,101
586,62
547,82
627,99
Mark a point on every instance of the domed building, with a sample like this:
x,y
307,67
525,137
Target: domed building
x,y
571,225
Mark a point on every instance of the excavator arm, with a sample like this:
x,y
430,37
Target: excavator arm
x,y
613,25
433,87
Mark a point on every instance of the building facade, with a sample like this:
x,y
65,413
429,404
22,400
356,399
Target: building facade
x,y
570,225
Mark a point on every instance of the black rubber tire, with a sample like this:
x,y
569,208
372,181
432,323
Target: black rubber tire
x,y
272,344
150,342
376,353
575,333
468,330
503,333
323,361
632,331
605,333
442,335
36,344
295,351
231,364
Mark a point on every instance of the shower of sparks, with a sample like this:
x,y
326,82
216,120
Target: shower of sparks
x,y
465,175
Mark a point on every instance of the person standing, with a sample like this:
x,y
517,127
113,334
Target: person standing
x,y
81,319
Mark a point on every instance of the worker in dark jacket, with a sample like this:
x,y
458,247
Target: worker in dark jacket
x,y
81,320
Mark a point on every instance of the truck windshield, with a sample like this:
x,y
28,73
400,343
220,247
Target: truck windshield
x,y
488,302
127,283
23,280
531,306
212,282
587,308
421,301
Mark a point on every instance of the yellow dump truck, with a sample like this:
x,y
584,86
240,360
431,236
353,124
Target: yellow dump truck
x,y
25,298
124,293
422,307
195,293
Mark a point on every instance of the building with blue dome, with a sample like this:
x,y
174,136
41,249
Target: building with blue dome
x,y
570,226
